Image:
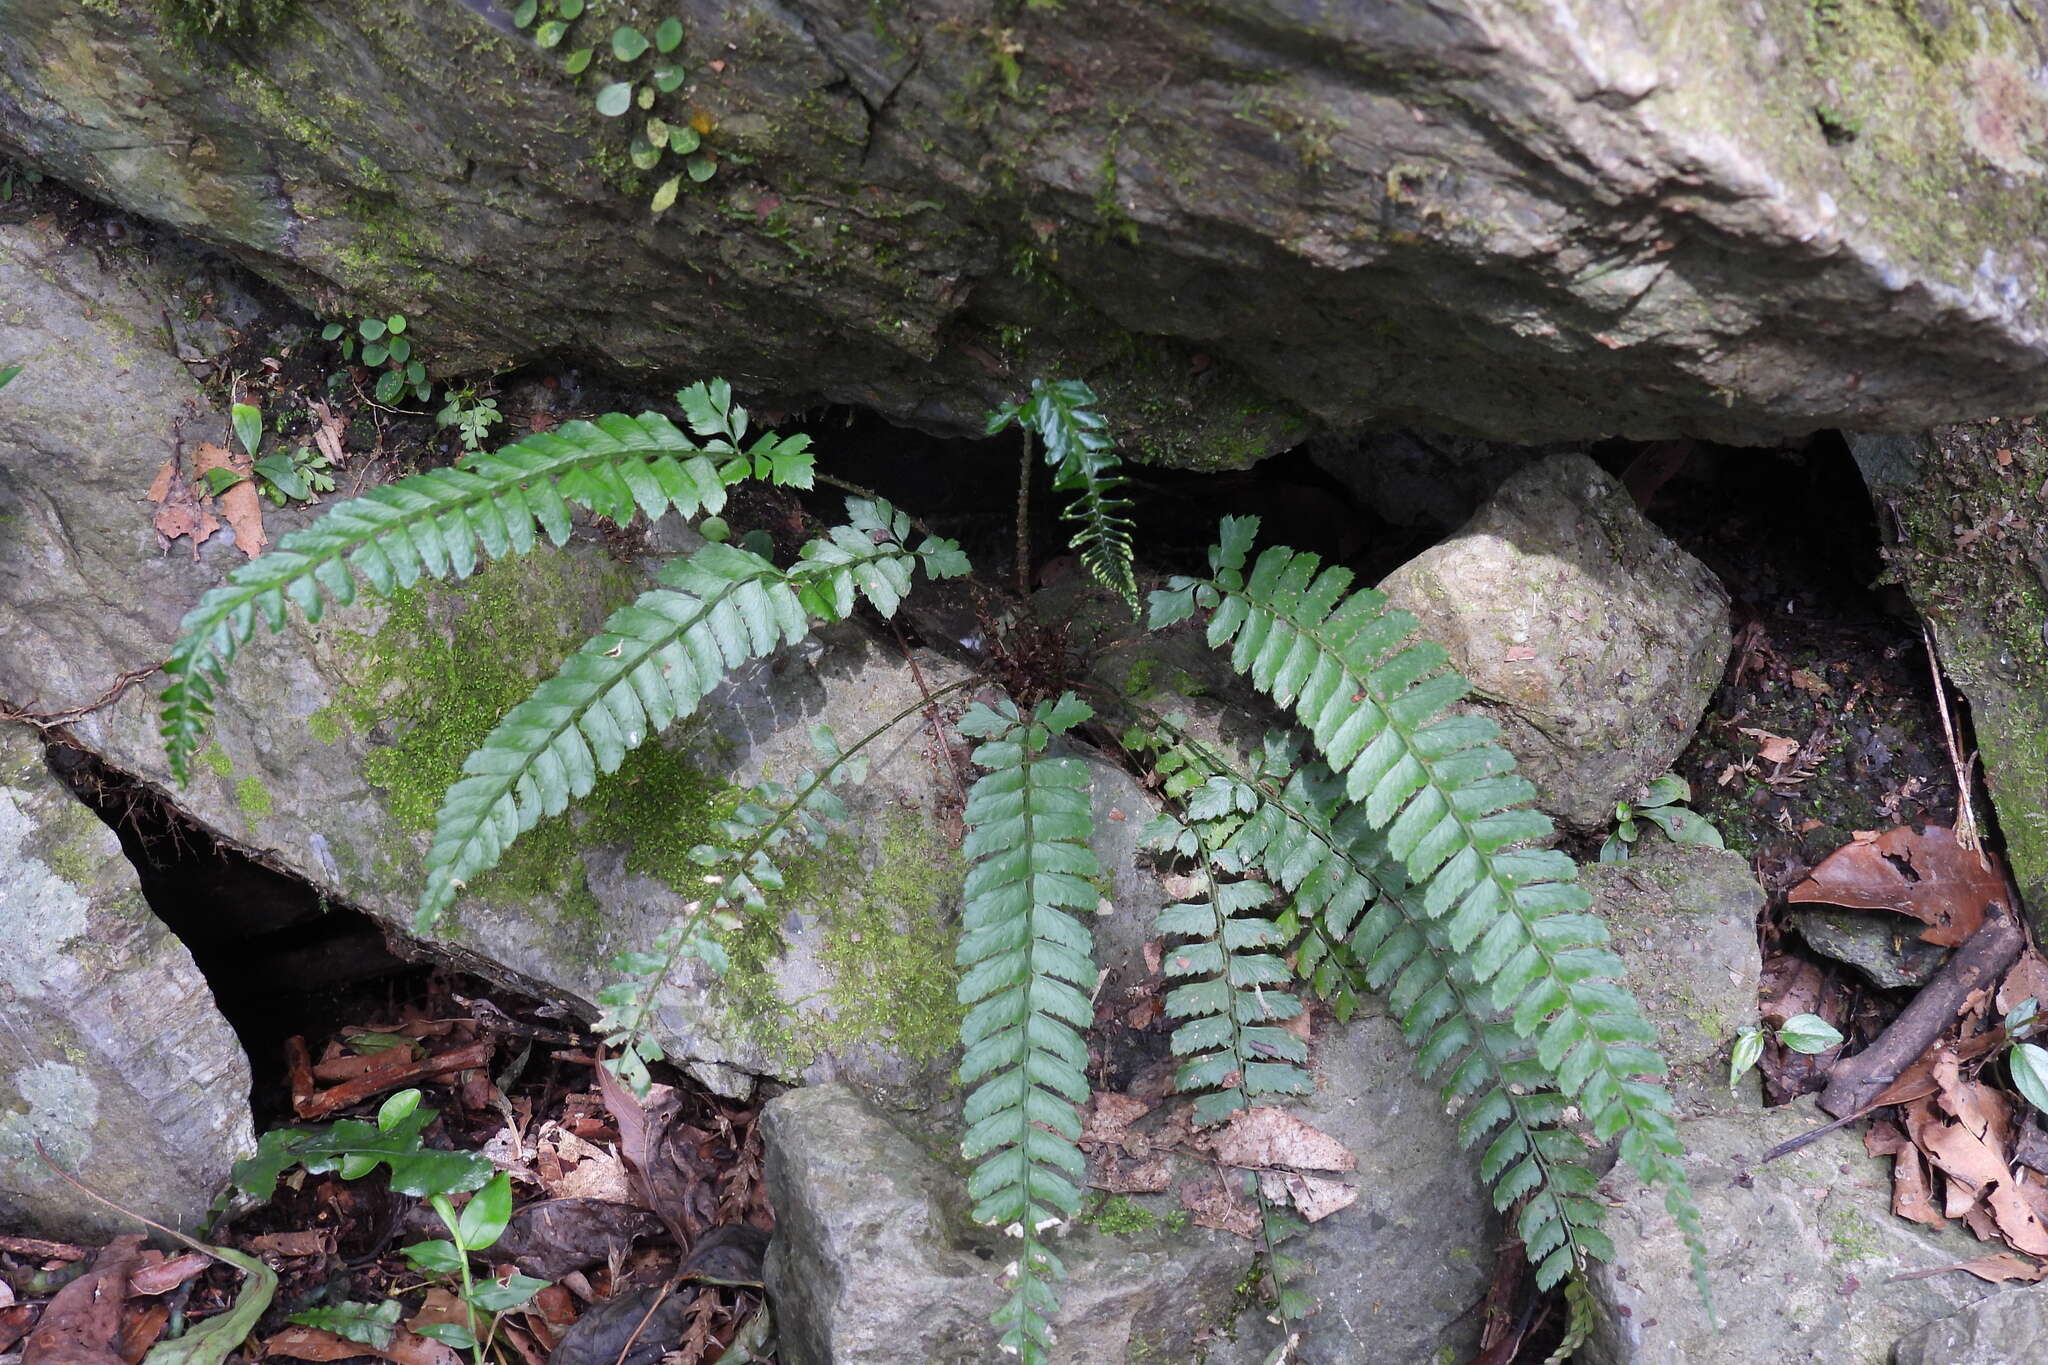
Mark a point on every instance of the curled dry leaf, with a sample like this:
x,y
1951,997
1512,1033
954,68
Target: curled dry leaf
x,y
1315,1197
312,1343
1215,1200
82,1324
1925,875
1111,1115
1264,1135
1979,1180
1912,1194
1772,748
182,508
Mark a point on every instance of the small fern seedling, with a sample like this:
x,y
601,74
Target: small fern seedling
x,y
1076,436
1029,966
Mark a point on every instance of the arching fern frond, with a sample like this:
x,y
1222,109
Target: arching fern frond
x,y
1451,814
1029,967
1076,439
440,523
651,665
1297,826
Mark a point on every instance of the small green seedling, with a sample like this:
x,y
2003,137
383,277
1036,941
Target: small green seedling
x,y
1806,1033
354,1148
472,417
1662,804
2028,1062
8,372
296,477
384,345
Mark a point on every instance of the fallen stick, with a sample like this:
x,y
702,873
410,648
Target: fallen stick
x,y
1979,963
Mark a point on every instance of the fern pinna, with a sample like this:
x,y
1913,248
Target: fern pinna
x,y
1076,437
1029,967
1487,915
434,524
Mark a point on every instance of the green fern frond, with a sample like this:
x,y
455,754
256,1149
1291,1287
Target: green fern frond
x,y
1452,815
1028,969
650,666
1233,996
442,522
1076,437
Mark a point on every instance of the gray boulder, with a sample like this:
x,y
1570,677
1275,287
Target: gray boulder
x,y
874,1261
1999,1330
1804,1254
333,744
112,1054
1684,919
1589,635
1524,221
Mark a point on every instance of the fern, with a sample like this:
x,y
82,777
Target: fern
x,y
1029,967
651,665
439,523
1076,438
1507,919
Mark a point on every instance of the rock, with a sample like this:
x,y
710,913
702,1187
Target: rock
x,y
874,1261
333,744
1589,635
1521,221
1884,948
1803,1254
1684,919
111,1051
1403,1266
2003,1328
1972,550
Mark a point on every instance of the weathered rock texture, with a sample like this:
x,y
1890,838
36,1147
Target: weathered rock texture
x,y
1589,635
2003,1328
874,1261
1684,919
1725,217
1968,508
111,1052
1808,1263
333,745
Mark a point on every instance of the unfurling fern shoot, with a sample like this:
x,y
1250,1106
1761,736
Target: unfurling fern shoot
x,y
1029,967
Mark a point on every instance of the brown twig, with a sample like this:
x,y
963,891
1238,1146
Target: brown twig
x,y
1966,817
1024,518
931,712
1857,1080
44,720
645,1318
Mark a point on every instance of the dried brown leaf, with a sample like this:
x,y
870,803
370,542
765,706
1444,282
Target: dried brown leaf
x,y
241,507
2027,979
1773,748
1264,1135
1923,874
82,1324
1314,1197
1978,1176
1214,1200
1110,1116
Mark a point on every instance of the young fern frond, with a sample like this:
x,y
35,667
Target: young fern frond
x,y
650,666
439,523
1076,439
1028,969
1450,812
1233,1000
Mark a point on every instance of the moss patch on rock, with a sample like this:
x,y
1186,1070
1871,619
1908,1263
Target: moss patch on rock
x,y
883,941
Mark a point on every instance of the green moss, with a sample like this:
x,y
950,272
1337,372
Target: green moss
x,y
325,724
1850,1235
254,798
1120,1216
217,759
882,938
445,666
